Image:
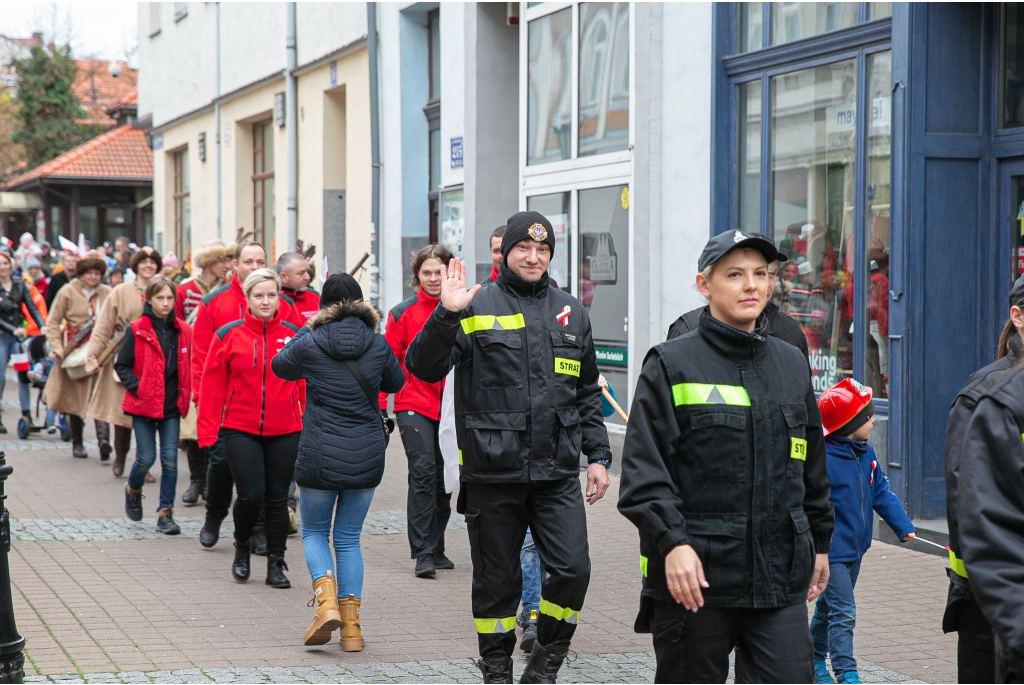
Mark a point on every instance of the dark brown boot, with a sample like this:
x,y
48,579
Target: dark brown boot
x,y
122,443
103,438
77,426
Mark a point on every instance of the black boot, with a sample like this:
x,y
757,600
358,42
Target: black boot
x,y
240,567
544,662
197,459
122,443
528,622
496,669
259,541
191,496
210,532
103,438
275,571
77,426
425,567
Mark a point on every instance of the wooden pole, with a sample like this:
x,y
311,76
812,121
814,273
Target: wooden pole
x,y
615,405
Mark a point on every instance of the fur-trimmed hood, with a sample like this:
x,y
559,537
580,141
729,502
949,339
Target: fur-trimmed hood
x,y
345,330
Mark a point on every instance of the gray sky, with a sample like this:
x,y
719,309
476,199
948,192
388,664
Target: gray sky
x,y
101,30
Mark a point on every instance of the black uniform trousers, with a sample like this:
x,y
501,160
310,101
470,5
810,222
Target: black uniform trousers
x,y
694,647
497,515
428,506
975,649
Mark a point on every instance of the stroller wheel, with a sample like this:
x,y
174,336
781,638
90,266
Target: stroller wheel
x,y
22,429
65,429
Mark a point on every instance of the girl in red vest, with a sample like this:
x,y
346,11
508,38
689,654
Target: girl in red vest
x,y
153,365
259,417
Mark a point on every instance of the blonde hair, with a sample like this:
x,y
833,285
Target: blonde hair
x,y
259,276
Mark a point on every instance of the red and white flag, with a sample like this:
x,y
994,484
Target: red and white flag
x,y
323,270
67,245
19,361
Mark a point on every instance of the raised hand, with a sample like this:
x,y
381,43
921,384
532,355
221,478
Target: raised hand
x,y
454,296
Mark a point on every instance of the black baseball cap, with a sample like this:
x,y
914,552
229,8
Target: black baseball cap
x,y
724,243
1017,293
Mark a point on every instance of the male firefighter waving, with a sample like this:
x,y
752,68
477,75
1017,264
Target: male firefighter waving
x,y
723,472
526,404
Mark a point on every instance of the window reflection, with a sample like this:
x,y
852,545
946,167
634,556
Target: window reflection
x,y
555,207
604,77
750,26
876,219
1012,92
549,100
795,20
748,123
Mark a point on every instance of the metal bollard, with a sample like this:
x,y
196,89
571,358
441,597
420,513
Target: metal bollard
x,y
12,660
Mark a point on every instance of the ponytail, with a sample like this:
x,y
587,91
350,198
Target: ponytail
x,y
1003,348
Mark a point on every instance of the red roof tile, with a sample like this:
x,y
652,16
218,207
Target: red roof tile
x,y
97,90
118,154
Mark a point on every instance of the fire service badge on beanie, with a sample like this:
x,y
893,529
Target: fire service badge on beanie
x,y
538,233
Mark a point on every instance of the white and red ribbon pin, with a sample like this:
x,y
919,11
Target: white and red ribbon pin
x,y
563,316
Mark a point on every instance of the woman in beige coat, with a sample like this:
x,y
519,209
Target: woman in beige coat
x,y
75,304
122,307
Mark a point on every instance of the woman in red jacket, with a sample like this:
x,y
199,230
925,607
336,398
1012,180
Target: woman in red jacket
x,y
258,415
153,365
418,409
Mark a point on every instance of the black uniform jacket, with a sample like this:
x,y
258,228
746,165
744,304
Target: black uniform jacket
x,y
724,453
991,503
526,393
956,430
778,325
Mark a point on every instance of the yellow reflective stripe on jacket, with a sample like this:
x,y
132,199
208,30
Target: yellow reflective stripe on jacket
x,y
460,457
487,626
570,367
643,565
798,449
957,565
485,322
710,393
558,613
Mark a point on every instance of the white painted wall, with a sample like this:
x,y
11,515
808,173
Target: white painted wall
x,y
323,27
453,87
390,100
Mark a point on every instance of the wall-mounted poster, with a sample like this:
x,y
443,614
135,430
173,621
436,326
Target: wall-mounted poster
x,y
599,258
453,232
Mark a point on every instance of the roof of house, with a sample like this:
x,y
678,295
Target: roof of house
x,y
120,154
98,91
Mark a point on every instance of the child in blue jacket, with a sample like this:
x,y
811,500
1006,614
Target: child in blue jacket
x,y
858,487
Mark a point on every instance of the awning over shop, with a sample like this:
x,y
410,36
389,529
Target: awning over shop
x,y
19,202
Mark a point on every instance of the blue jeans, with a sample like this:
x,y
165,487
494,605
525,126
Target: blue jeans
x,y
348,508
10,345
533,575
145,454
835,615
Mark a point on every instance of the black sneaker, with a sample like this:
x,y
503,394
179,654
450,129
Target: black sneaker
x,y
191,496
165,522
425,567
210,532
443,562
259,541
133,503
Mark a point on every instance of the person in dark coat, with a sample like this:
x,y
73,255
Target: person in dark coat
x,y
341,449
58,280
13,294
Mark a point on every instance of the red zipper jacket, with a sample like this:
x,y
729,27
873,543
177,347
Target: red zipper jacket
x,y
219,308
148,362
306,302
239,390
404,322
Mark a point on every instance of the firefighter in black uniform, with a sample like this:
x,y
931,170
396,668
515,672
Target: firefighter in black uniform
x,y
526,404
723,472
975,646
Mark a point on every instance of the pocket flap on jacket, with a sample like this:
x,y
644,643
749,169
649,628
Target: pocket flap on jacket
x,y
800,522
495,337
733,527
506,420
569,416
565,339
703,418
795,413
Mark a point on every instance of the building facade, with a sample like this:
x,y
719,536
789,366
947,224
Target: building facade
x,y
201,62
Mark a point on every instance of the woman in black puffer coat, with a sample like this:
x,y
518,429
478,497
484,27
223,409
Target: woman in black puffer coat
x,y
341,450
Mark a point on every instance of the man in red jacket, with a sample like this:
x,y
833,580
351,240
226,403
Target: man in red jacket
x,y
213,260
293,270
418,410
221,307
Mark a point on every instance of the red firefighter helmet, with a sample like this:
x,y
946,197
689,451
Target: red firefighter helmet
x,y
841,402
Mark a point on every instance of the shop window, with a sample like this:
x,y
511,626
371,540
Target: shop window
x,y
549,97
263,181
556,208
182,205
604,77
790,21
1012,86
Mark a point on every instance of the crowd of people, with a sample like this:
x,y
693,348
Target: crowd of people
x,y
752,493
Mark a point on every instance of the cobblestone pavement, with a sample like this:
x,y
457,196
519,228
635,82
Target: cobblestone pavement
x,y
115,602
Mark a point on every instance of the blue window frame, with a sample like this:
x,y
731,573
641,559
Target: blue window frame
x,y
787,139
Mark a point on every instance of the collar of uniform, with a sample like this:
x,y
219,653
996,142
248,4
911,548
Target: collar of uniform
x,y
257,324
423,298
729,341
1016,352
236,284
514,285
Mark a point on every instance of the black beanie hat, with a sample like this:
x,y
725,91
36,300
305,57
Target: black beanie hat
x,y
857,421
340,287
527,226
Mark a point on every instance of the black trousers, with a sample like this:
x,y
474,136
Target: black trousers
x,y
428,506
694,647
975,649
497,516
198,460
219,483
263,468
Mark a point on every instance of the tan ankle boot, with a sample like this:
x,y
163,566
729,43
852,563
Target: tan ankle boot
x,y
327,618
351,633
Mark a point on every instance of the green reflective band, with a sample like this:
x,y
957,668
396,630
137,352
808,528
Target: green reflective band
x,y
569,367
957,565
798,449
558,613
485,322
643,565
460,457
704,393
487,626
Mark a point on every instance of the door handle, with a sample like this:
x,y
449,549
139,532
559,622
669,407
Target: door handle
x,y
895,295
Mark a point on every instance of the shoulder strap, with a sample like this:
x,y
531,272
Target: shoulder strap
x,y
363,383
